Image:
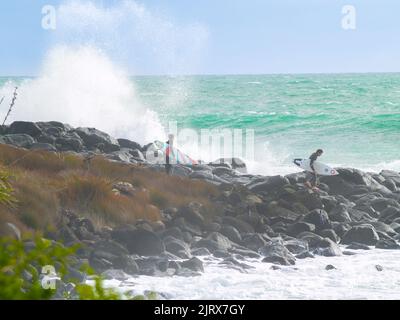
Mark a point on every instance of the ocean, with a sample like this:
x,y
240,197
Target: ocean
x,y
355,118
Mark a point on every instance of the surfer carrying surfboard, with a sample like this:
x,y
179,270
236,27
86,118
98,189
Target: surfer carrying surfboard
x,y
312,177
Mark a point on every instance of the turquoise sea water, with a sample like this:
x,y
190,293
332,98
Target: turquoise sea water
x,y
355,118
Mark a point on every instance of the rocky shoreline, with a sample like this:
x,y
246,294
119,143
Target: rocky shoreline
x,y
273,219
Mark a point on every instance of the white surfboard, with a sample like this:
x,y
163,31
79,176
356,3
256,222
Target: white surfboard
x,y
321,168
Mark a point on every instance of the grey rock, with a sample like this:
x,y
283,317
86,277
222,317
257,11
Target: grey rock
x,y
18,140
22,127
277,253
139,241
365,234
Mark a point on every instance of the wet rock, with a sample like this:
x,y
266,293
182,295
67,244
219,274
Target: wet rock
x,y
327,248
177,247
340,214
330,267
268,184
296,246
365,234
329,233
300,227
221,254
389,214
349,253
215,241
253,241
319,218
358,246
200,252
245,253
277,253
312,239
139,241
388,244
241,226
305,255
379,268
194,264
231,233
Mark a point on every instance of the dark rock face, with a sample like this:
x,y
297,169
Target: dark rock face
x,y
300,227
231,233
269,184
21,127
194,264
125,143
326,247
365,234
319,218
278,254
358,246
18,140
94,138
192,213
139,241
388,244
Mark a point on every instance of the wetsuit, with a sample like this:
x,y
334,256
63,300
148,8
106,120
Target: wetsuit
x,y
313,179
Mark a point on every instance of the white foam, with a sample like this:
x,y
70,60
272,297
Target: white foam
x,y
83,87
355,278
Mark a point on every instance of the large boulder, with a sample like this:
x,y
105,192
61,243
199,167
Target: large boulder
x,y
194,264
319,218
125,143
234,163
254,241
364,234
69,142
277,253
340,214
268,184
326,247
18,140
231,233
215,241
139,241
241,226
22,127
94,138
300,227
193,213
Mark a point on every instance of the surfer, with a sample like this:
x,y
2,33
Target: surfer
x,y
168,153
312,177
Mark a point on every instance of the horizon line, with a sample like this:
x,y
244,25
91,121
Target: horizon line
x,y
234,74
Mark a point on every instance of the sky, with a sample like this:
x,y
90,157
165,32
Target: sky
x,y
209,36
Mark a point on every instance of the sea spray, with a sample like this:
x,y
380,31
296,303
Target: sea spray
x,y
81,86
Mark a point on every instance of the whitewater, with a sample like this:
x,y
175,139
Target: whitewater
x,y
356,277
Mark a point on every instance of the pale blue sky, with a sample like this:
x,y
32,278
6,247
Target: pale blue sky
x,y
244,36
